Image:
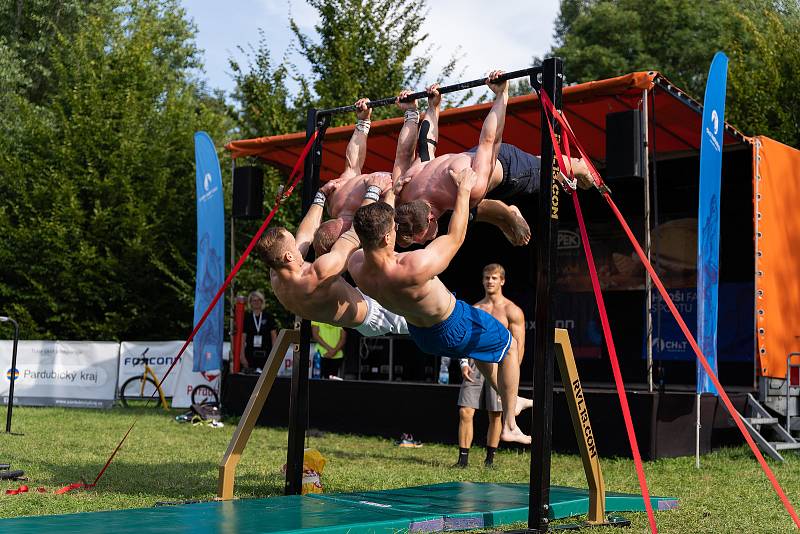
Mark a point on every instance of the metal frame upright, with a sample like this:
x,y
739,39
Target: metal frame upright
x,y
544,255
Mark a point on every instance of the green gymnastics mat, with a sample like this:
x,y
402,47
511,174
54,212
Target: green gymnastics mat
x,y
437,507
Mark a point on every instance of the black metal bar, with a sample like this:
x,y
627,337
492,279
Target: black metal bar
x,y
388,101
298,404
543,347
13,377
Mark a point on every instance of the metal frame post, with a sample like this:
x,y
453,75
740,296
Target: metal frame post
x,y
13,378
648,283
543,347
298,406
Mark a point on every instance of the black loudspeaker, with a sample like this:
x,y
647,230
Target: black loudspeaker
x,y
248,193
625,145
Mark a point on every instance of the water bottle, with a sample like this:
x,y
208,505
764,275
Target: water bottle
x,y
316,367
444,373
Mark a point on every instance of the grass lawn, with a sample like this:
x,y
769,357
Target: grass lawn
x,y
166,461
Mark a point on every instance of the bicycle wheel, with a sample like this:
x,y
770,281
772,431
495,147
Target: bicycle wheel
x,y
132,390
203,394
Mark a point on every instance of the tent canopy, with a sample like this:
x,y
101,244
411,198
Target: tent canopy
x,y
677,120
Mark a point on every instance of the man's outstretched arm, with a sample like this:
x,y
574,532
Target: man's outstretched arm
x,y
313,218
335,262
356,151
435,258
404,155
429,129
492,131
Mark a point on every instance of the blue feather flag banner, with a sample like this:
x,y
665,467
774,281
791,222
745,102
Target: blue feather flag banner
x,y
711,144
207,344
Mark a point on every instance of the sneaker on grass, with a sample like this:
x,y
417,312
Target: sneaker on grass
x,y
408,441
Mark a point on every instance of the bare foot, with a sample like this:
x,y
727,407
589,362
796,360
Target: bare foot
x,y
517,230
515,435
522,404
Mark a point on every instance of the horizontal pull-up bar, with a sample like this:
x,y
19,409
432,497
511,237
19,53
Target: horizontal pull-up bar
x,y
442,90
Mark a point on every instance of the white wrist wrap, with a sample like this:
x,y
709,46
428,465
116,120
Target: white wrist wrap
x,y
319,199
373,193
363,126
412,115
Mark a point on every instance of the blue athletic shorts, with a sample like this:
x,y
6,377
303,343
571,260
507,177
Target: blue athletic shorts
x,y
467,333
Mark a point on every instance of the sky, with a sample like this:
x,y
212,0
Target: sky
x,y
483,38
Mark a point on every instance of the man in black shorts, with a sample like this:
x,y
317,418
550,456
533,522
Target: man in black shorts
x,y
508,172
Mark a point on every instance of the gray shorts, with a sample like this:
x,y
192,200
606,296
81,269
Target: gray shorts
x,y
479,394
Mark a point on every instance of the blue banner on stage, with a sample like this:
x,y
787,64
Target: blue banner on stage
x,y
210,255
735,341
711,144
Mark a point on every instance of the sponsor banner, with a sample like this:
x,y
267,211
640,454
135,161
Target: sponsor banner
x,y
159,355
210,255
61,373
735,341
712,131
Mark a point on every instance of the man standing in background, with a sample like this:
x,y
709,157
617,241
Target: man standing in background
x,y
475,393
329,343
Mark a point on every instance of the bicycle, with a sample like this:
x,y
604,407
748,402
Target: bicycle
x,y
135,387
204,394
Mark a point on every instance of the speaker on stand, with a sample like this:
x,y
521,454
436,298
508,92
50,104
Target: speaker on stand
x,y
248,193
625,157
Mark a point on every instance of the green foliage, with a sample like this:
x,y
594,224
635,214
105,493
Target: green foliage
x,y
365,48
605,38
97,200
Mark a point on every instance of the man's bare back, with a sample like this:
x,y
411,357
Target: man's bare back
x,y
422,301
430,180
332,300
346,198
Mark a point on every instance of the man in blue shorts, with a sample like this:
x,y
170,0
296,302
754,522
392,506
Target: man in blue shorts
x,y
407,283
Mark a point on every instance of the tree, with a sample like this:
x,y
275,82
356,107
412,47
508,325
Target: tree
x,y
364,48
97,201
605,38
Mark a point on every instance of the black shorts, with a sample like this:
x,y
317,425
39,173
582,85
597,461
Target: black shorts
x,y
521,173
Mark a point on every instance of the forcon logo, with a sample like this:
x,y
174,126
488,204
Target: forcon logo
x,y
207,181
715,120
15,372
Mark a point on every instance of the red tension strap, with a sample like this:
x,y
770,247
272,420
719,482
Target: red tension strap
x,y
294,179
601,308
692,342
724,396
612,356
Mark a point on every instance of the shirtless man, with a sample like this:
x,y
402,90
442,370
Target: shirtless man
x,y
347,198
349,188
475,392
407,284
316,290
504,172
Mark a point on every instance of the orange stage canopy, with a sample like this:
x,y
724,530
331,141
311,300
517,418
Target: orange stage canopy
x,y
677,120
